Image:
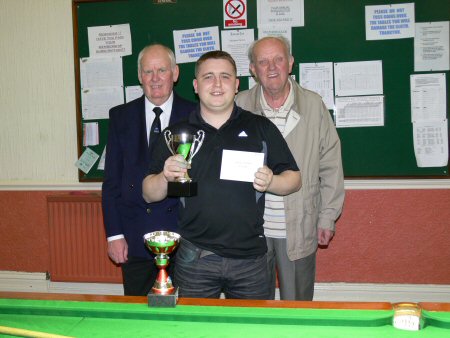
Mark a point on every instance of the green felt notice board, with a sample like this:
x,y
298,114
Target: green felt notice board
x,y
334,31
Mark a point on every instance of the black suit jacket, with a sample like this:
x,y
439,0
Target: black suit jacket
x,y
126,165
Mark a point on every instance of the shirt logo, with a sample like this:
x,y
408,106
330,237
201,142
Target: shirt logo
x,y
243,134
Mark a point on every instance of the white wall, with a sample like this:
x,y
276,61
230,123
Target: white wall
x,y
38,135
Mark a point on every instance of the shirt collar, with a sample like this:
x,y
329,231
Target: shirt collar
x,y
285,107
166,106
165,115
196,117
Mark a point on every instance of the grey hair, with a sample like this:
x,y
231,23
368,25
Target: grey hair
x,y
282,39
173,62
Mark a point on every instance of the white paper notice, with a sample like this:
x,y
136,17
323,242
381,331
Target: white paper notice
x,y
112,40
431,143
281,12
276,30
90,134
240,165
358,78
393,21
101,162
236,43
428,97
133,92
318,77
101,72
359,111
87,160
190,44
96,102
431,46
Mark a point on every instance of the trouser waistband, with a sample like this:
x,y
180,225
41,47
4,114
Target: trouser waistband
x,y
192,246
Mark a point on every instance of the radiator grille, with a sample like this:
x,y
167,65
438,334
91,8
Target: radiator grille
x,y
78,249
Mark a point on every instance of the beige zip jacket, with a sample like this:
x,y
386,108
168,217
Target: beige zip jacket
x,y
314,142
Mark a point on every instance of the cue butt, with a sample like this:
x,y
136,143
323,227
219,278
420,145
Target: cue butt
x,y
12,331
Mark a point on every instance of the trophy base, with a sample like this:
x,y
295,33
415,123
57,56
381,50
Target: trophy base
x,y
181,189
158,300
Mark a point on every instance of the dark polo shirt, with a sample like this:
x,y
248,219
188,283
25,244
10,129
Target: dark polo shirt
x,y
226,217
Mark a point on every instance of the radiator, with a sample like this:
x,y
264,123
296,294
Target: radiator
x,y
78,248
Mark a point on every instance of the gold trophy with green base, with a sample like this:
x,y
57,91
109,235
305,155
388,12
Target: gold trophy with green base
x,y
162,243
187,145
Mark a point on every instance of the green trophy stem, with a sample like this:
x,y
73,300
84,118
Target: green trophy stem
x,y
183,149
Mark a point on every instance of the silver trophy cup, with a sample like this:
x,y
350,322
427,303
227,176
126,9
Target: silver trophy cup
x,y
187,145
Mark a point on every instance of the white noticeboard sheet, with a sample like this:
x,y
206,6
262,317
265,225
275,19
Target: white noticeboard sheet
x,y
393,21
318,77
358,78
428,97
236,42
431,143
428,115
431,46
101,72
190,44
359,111
281,12
113,40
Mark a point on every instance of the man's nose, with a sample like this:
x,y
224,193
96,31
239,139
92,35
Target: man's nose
x,y
271,64
217,81
155,76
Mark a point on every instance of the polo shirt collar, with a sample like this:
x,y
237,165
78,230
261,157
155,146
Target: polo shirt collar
x,y
196,117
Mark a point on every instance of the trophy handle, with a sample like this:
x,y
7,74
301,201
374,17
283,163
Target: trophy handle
x,y
168,137
196,144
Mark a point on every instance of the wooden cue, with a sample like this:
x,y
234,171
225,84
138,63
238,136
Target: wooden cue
x,y
12,331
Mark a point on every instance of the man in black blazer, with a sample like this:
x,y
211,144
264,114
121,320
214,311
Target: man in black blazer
x,y
127,217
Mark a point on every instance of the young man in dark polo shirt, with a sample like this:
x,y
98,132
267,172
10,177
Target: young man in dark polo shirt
x,y
223,248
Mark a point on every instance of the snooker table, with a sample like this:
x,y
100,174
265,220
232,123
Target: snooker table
x,y
130,316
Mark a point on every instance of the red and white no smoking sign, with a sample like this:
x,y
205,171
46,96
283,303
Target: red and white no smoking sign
x,y
235,13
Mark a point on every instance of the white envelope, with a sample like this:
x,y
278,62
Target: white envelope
x,y
240,165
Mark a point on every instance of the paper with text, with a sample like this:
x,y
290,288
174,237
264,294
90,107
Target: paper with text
x,y
360,111
281,12
431,143
240,165
318,77
87,160
101,72
236,43
112,40
428,97
431,46
358,78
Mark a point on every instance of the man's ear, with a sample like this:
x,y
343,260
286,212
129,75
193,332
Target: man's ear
x,y
194,83
176,73
252,70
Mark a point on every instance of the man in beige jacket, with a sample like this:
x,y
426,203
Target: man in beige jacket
x,y
296,224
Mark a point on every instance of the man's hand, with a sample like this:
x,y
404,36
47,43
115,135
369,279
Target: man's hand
x,y
118,250
324,236
263,178
175,167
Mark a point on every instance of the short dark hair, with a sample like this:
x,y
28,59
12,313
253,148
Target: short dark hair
x,y
215,54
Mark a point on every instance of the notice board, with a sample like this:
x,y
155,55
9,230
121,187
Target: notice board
x,y
333,31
